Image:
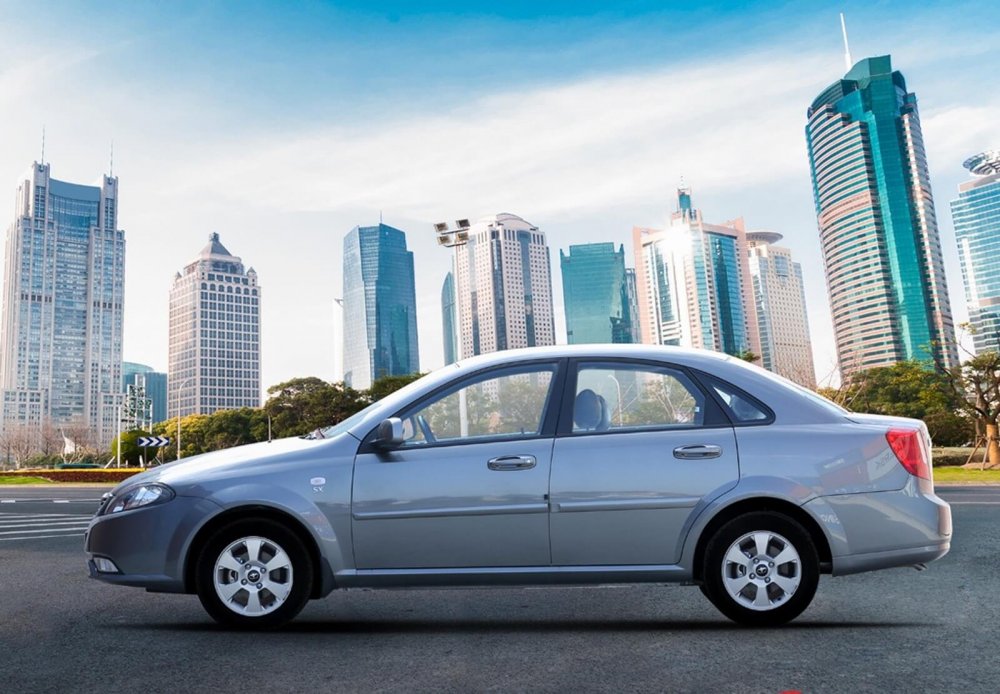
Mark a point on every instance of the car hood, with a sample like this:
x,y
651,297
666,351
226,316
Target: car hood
x,y
241,460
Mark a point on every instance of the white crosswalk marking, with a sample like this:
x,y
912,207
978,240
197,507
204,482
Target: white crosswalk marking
x,y
36,526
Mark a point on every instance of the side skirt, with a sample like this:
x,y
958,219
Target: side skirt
x,y
510,576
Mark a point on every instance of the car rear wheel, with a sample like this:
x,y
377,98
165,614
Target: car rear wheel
x,y
254,573
761,569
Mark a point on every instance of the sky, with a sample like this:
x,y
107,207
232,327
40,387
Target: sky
x,y
281,126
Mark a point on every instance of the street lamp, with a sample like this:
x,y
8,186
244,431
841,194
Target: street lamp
x,y
449,238
180,389
618,387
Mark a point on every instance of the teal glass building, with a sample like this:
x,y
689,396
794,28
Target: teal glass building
x,y
380,306
154,383
596,295
448,319
976,214
877,224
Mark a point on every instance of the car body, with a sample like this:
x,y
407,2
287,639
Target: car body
x,y
587,464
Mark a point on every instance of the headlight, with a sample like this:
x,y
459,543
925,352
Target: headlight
x,y
136,497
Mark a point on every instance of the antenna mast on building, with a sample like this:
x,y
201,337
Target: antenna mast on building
x,y
848,63
43,144
111,173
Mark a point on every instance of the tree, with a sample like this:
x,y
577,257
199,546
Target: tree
x,y
389,384
301,405
132,452
748,356
977,384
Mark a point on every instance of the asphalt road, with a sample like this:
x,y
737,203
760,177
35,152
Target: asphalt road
x,y
890,631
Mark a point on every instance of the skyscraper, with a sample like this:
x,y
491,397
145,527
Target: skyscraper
x,y
214,347
782,319
693,283
503,287
596,294
976,214
448,319
380,306
61,345
877,224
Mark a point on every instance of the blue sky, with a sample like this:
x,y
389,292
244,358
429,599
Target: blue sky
x,y
283,125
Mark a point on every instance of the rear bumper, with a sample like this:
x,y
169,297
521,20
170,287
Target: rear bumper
x,y
880,530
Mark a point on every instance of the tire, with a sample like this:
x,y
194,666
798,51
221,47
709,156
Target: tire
x,y
254,573
747,584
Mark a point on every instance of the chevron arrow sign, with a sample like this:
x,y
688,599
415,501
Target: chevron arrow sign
x,y
153,441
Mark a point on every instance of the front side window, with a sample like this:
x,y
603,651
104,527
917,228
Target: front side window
x,y
613,397
510,403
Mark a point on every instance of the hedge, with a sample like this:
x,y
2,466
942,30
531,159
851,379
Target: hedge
x,y
108,476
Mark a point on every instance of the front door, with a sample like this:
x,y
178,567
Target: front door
x,y
468,487
645,446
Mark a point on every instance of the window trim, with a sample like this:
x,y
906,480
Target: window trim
x,y
707,380
549,416
715,416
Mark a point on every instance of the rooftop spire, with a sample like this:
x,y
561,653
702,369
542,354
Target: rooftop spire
x,y
848,63
43,144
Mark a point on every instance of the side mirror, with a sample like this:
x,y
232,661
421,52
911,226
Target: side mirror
x,y
389,433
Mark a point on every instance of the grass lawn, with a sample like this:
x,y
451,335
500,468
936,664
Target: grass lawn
x,y
22,479
958,475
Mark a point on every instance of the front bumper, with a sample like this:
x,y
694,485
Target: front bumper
x,y
149,544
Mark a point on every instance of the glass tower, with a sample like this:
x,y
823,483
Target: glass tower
x,y
877,224
154,383
61,343
976,213
380,306
448,319
596,294
503,287
693,283
214,338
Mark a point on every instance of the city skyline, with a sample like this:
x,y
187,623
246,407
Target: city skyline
x,y
601,138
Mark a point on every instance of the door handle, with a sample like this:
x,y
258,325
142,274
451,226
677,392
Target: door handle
x,y
512,462
697,451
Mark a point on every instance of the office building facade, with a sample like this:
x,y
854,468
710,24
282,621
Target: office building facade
x,y
877,223
596,294
976,215
693,283
214,335
503,287
63,298
782,319
380,306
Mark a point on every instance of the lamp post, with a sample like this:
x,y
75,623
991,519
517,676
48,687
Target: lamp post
x,y
618,387
180,389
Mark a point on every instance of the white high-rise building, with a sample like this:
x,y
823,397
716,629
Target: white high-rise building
x,y
503,287
782,319
63,296
214,350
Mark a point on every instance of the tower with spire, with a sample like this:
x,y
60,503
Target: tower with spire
x,y
214,342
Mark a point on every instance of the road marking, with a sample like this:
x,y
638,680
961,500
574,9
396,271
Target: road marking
x,y
39,537
8,501
36,526
57,524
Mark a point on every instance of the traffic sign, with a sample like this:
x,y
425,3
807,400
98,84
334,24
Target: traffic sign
x,y
153,441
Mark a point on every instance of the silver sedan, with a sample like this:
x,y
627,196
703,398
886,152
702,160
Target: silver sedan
x,y
589,464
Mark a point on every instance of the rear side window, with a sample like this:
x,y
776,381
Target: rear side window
x,y
742,408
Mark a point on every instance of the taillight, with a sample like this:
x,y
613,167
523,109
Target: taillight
x,y
905,443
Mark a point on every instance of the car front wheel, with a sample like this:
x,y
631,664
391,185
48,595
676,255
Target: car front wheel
x,y
761,569
254,573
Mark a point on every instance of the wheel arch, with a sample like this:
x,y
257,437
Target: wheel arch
x,y
322,576
756,504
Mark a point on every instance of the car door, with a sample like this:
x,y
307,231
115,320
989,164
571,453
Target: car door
x,y
468,486
640,445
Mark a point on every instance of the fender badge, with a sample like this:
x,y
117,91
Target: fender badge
x,y
317,481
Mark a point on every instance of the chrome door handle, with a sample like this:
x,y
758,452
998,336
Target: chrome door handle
x,y
512,462
697,452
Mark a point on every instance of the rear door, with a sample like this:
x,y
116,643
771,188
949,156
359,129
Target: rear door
x,y
640,444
